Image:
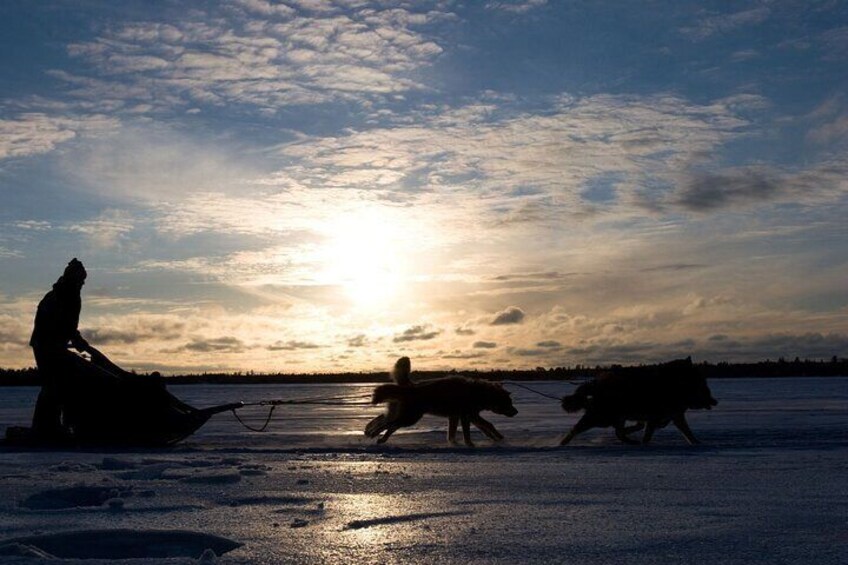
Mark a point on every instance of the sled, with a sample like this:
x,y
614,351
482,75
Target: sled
x,y
121,411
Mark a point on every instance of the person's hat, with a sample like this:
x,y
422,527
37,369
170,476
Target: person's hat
x,y
75,270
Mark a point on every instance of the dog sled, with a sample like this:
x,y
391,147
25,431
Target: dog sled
x,y
120,409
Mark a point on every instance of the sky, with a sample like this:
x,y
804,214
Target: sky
x,y
327,185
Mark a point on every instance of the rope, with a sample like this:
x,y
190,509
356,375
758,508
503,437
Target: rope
x,y
317,401
540,393
251,428
321,401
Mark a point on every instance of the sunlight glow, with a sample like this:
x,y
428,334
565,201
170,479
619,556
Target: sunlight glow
x,y
366,255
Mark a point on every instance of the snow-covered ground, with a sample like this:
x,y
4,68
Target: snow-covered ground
x,y
768,485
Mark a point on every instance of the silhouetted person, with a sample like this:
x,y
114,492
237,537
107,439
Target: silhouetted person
x,y
55,331
54,334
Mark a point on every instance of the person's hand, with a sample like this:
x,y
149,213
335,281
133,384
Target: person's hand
x,y
79,343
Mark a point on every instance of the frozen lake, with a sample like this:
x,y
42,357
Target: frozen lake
x,y
769,484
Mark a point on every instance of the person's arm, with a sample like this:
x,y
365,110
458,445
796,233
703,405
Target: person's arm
x,y
100,360
80,343
97,357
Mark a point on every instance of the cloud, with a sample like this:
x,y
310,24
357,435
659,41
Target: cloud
x,y
108,230
510,315
259,55
515,6
484,345
292,345
726,23
674,267
360,340
464,331
524,168
32,225
812,345
13,331
225,344
709,191
136,329
266,8
463,355
744,55
34,133
549,344
835,43
416,333
531,277
154,164
833,131
6,253
527,352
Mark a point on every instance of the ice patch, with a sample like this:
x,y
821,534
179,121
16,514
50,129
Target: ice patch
x,y
271,500
125,544
22,550
73,467
148,473
74,497
359,524
225,478
298,523
253,470
115,464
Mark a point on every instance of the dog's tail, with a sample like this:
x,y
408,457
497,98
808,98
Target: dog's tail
x,y
579,400
387,393
401,370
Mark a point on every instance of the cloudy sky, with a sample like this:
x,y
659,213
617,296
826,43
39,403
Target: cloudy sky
x,y
326,185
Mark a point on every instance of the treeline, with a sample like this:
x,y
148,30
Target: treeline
x,y
834,367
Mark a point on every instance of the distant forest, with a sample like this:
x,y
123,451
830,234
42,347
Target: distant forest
x,y
835,367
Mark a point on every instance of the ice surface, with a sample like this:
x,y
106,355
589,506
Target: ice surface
x,y
767,486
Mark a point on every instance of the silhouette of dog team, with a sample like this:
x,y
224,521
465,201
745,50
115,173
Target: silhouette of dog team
x,y
82,391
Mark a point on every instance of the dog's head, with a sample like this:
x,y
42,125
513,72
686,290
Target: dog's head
x,y
499,400
699,395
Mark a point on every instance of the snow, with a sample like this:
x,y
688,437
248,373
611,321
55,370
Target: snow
x,y
768,485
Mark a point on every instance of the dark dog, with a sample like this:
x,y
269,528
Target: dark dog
x,y
652,396
456,398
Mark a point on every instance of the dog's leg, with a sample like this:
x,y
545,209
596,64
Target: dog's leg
x,y
466,430
376,426
581,426
453,422
487,428
621,434
387,435
649,432
683,426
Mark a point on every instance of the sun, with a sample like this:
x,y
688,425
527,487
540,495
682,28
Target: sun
x,y
364,255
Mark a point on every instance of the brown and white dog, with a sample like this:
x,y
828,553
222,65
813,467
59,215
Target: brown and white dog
x,y
457,398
